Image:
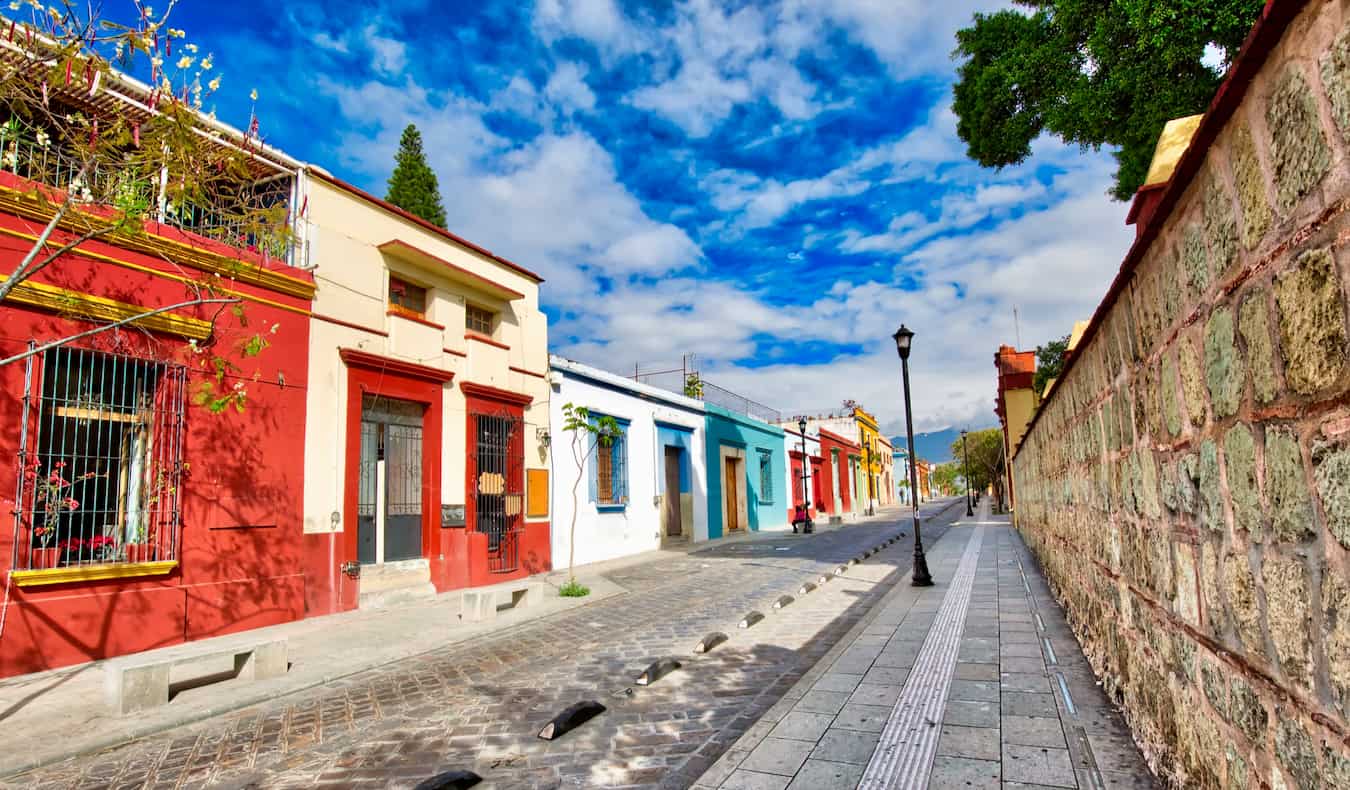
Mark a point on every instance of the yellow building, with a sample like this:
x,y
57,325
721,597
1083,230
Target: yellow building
x,y
869,438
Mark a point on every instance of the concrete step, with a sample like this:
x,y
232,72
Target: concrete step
x,y
395,584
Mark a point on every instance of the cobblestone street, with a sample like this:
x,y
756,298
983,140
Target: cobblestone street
x,y
479,705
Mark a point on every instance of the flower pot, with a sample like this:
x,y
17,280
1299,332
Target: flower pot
x,y
45,557
140,552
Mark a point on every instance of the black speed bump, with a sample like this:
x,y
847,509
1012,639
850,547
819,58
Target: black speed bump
x,y
571,718
657,670
750,619
710,641
783,600
805,588
450,780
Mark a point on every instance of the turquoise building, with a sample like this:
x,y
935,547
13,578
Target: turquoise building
x,y
746,469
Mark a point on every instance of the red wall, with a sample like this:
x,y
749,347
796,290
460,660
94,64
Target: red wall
x,y
241,549
828,443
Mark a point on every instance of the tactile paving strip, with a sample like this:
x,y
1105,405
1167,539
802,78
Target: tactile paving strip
x,y
904,756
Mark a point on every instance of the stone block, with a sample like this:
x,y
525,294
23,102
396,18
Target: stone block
x,y
1254,326
1312,327
1211,489
1171,405
1195,258
1146,484
478,605
1299,152
265,660
1331,470
129,689
1294,748
1288,616
1335,769
1215,685
1240,587
1237,767
1245,710
1251,187
1192,378
1239,455
1336,633
1187,600
1291,514
1336,79
1211,601
1224,368
1220,227
1188,481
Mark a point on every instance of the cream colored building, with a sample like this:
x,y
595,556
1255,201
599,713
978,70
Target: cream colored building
x,y
426,446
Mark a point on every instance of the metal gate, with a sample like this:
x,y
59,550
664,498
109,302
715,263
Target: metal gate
x,y
498,460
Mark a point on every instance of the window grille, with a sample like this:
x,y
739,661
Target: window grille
x,y
407,298
100,471
611,469
766,476
478,319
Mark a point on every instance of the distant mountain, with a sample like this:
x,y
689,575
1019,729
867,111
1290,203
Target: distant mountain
x,y
935,446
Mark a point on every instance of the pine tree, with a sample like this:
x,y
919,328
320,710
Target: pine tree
x,y
413,187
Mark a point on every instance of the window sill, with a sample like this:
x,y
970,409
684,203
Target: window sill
x,y
481,338
416,319
90,573
614,508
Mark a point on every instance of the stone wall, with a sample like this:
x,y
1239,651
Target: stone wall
x,y
1187,485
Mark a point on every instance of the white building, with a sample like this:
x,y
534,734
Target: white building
x,y
647,490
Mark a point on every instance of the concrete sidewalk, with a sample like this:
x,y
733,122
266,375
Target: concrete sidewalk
x,y
50,716
976,682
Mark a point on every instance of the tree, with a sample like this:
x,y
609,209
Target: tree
x,y
985,450
413,186
947,477
94,165
587,434
1049,362
1092,73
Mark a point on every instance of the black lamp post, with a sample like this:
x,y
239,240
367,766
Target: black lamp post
x,y
806,497
921,576
970,511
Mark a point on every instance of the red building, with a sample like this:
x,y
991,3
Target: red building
x,y
822,500
836,452
155,489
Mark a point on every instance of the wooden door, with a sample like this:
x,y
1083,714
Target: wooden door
x,y
733,497
673,515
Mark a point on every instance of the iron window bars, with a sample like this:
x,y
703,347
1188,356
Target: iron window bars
x,y
611,469
100,468
766,476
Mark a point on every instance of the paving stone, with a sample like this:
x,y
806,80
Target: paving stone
x,y
977,690
972,671
868,718
1026,681
893,676
846,746
971,713
777,756
876,694
825,775
1038,765
1023,665
837,681
963,773
822,701
749,780
801,726
1033,731
1016,703
979,743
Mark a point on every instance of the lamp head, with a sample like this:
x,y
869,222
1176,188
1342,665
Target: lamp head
x,y
902,340
801,423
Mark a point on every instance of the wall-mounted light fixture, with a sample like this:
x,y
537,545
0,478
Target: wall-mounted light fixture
x,y
543,437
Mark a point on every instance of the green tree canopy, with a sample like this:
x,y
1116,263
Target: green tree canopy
x,y
1049,362
986,457
413,186
1092,72
947,477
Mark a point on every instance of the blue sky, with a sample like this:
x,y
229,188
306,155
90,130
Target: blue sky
x,y
772,186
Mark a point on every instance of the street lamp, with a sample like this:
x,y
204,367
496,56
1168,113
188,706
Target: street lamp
x,y
806,497
970,511
921,577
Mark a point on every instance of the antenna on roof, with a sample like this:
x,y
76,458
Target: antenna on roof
x,y
1017,325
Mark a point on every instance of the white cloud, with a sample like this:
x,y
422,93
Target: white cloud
x,y
567,87
599,21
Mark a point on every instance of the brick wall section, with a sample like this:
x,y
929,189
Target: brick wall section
x,y
1187,486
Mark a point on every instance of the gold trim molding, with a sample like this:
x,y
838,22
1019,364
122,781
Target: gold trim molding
x,y
87,306
92,573
18,203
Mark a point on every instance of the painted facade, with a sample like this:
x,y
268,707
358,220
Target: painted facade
x,y
1016,403
140,518
660,468
841,457
820,502
746,470
427,404
886,471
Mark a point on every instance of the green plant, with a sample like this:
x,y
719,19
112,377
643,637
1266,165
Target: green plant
x,y
574,589
693,386
587,434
